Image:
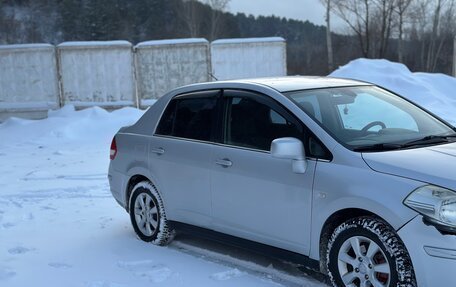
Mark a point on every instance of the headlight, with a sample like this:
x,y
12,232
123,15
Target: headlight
x,y
437,204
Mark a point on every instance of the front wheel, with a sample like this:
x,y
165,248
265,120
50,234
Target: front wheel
x,y
147,214
366,252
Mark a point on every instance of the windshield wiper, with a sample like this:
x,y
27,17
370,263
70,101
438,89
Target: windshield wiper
x,y
378,147
432,139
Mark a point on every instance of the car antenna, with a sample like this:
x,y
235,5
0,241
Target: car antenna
x,y
212,76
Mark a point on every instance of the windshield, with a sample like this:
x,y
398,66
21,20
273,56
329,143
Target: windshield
x,y
367,116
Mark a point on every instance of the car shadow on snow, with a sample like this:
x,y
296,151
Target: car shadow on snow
x,y
262,265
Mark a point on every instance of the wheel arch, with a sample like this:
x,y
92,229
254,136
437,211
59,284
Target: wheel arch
x,y
334,220
132,181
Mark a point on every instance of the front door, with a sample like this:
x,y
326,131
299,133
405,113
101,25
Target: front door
x,y
254,195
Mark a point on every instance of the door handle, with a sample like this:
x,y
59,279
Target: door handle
x,y
224,162
158,151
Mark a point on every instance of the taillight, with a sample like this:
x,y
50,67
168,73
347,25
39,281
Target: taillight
x,y
113,151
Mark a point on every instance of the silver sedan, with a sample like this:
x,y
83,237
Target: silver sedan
x,y
353,180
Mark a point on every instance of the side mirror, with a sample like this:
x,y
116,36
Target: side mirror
x,y
290,148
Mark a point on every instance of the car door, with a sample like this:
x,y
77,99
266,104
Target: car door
x,y
180,156
254,195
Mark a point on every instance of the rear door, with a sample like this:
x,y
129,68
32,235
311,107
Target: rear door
x,y
180,154
256,196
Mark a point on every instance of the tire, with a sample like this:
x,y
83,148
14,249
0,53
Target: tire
x,y
147,215
365,252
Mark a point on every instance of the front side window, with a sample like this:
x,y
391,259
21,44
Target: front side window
x,y
251,124
366,116
189,117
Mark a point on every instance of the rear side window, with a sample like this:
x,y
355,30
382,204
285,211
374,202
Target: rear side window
x,y
190,117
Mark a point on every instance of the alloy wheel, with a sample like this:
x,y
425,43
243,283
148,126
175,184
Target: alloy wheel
x,y
146,214
362,263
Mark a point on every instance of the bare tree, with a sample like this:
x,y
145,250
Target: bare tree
x,y
218,7
446,32
434,35
454,57
442,30
191,17
383,17
329,48
356,13
437,28
419,17
401,9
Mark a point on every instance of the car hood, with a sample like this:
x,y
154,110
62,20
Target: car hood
x,y
433,164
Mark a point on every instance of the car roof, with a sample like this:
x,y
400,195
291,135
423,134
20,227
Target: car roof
x,y
295,83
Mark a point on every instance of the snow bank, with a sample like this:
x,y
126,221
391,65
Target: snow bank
x,y
68,125
434,92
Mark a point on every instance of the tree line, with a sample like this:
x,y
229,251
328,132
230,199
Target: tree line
x,y
418,33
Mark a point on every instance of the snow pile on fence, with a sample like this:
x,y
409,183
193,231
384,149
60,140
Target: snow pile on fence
x,y
434,92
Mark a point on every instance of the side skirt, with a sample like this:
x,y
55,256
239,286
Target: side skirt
x,y
252,246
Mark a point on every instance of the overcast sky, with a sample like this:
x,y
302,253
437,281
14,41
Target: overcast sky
x,y
311,10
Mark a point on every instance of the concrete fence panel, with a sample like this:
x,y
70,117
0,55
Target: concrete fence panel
x,y
248,58
28,80
97,73
163,65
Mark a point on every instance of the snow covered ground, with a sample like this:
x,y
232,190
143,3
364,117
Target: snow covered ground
x,y
60,226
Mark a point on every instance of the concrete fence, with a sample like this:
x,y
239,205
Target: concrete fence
x,y
247,58
97,73
37,77
28,80
167,64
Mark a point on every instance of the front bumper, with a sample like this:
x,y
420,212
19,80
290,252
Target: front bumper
x,y
433,254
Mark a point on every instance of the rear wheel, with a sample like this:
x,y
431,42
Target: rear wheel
x,y
147,214
366,252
